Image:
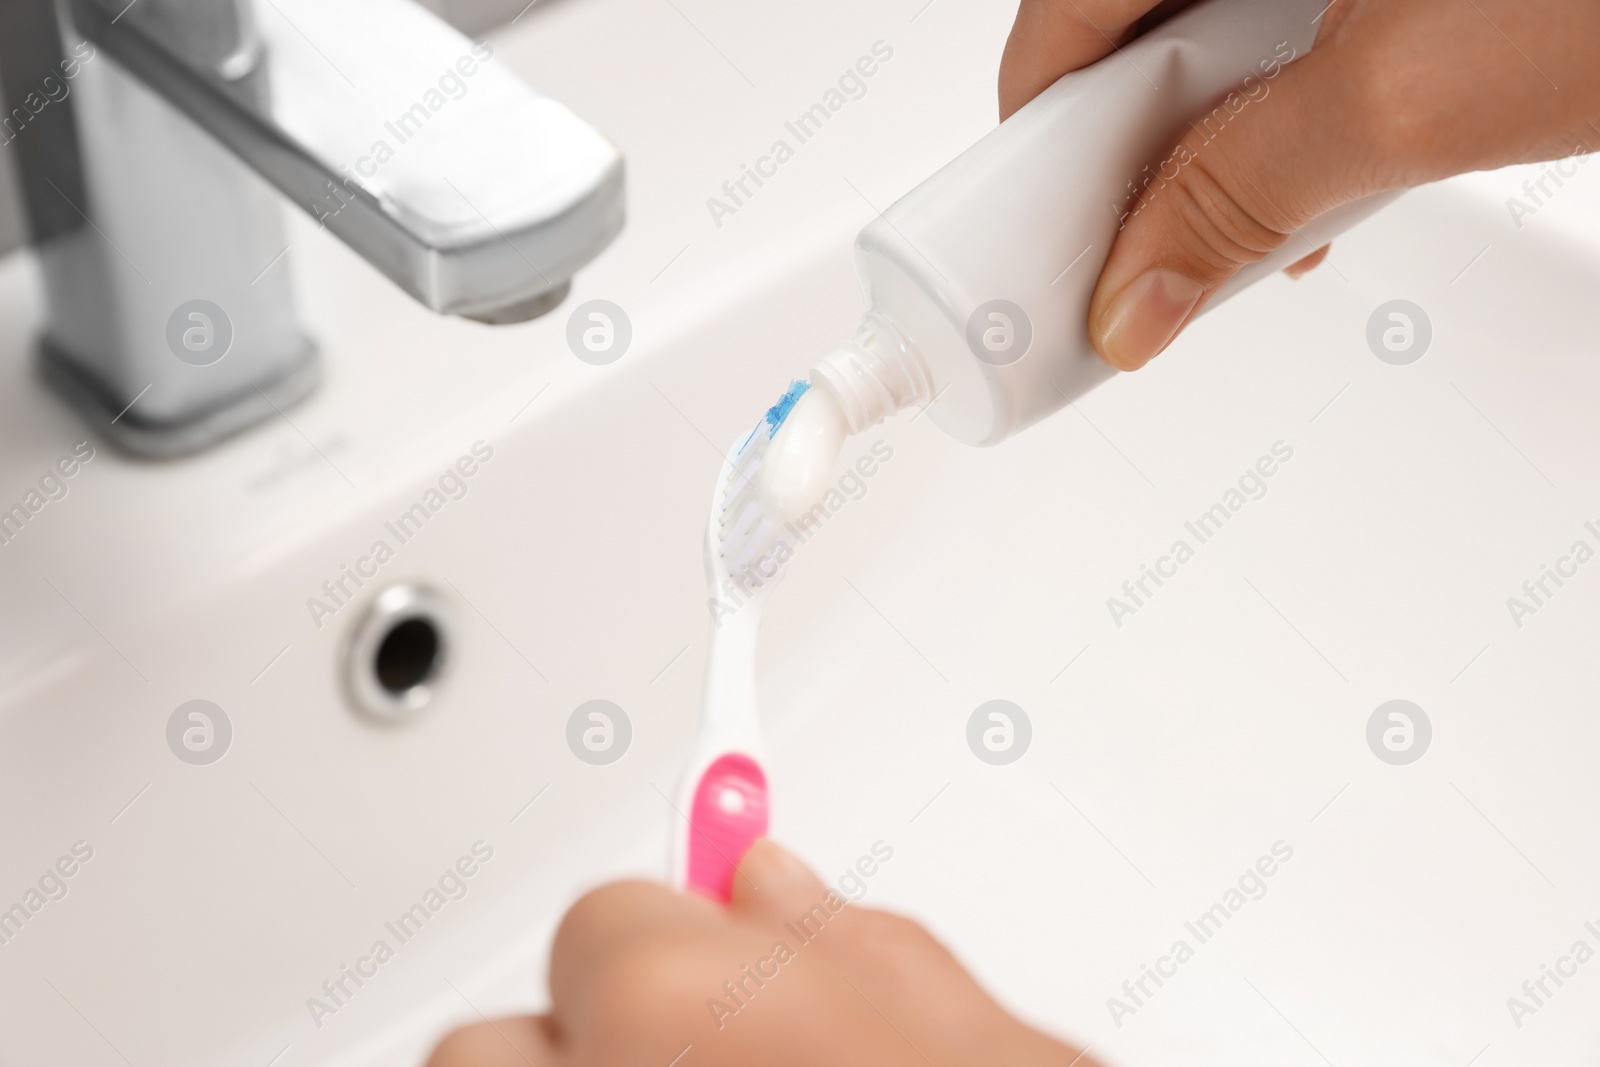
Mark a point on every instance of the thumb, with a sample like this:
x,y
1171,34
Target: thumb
x,y
1267,159
774,884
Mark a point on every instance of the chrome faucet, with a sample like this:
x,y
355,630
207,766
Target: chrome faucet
x,y
170,321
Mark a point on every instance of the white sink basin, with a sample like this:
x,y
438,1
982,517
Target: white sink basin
x,y
1228,713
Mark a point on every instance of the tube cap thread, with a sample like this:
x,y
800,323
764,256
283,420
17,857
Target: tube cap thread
x,y
874,374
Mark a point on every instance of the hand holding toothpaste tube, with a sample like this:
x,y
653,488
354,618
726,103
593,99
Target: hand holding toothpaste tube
x,y
1393,95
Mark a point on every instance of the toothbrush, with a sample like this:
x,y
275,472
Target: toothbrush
x,y
724,798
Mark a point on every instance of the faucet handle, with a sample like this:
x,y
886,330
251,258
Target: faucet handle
x,y
473,192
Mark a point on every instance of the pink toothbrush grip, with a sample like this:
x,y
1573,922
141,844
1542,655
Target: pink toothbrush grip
x,y
729,813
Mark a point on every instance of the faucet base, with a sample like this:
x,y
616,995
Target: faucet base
x,y
121,426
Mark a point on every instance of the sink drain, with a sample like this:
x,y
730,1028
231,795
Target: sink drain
x,y
398,654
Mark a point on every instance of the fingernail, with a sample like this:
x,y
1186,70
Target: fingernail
x,y
1145,317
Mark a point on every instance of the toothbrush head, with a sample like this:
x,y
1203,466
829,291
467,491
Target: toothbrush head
x,y
746,548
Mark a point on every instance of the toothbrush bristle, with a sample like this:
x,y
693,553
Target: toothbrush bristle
x,y
745,534
741,506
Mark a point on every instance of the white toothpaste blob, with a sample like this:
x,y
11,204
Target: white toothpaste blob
x,y
799,465
856,385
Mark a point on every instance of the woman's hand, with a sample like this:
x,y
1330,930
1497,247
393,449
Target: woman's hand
x,y
787,975
1396,93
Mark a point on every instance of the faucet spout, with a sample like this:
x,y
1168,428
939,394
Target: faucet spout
x,y
473,192
476,194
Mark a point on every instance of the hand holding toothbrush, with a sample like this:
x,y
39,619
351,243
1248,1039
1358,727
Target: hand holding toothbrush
x,y
1397,93
636,969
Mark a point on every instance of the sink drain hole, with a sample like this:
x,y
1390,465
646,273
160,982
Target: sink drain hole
x,y
407,656
399,653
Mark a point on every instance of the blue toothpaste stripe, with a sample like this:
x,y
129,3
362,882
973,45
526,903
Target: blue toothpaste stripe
x,y
780,411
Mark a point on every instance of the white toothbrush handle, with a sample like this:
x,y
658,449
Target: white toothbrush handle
x,y
728,713
728,724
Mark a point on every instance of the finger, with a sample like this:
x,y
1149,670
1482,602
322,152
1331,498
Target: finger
x,y
1301,267
613,919
523,1041
1052,37
775,886
1239,184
